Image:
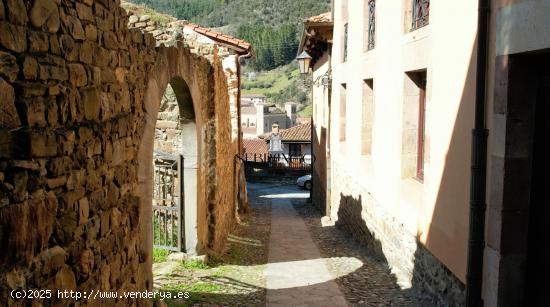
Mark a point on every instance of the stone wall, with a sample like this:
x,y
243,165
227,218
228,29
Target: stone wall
x,y
73,79
80,95
168,135
372,225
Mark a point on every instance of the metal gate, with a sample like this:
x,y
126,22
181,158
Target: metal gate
x,y
168,213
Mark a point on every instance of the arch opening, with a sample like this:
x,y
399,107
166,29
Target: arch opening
x,y
176,140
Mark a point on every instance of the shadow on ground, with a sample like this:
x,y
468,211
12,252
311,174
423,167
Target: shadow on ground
x,y
236,277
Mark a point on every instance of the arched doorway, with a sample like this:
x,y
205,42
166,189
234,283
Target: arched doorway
x,y
176,162
188,142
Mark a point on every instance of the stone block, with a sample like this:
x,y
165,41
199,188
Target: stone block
x,y
44,15
84,12
38,41
53,259
133,19
78,76
83,211
17,12
91,104
86,263
43,144
35,112
105,227
27,228
9,118
102,57
5,143
74,25
59,73
91,32
69,49
110,40
53,183
8,66
65,280
88,51
13,37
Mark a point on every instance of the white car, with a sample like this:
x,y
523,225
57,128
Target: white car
x,y
304,182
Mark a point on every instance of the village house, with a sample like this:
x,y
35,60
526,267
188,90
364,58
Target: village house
x,y
258,116
316,41
410,81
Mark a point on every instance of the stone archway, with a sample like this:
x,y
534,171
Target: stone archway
x,y
192,78
176,134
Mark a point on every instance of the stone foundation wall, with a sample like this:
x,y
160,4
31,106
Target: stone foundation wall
x,y
372,225
73,79
76,90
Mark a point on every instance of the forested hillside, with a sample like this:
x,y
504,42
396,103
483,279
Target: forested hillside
x,y
272,26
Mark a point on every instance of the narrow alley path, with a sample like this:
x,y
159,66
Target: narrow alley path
x,y
281,255
296,274
314,265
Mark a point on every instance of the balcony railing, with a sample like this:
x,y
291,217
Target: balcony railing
x,y
420,13
277,161
372,25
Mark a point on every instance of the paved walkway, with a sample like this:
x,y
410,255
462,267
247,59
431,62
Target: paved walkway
x,y
296,274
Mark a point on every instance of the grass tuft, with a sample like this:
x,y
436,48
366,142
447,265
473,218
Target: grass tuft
x,y
160,255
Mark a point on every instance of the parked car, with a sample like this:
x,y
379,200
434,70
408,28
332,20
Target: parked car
x,y
304,182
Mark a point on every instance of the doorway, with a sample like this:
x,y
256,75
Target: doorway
x,y
538,231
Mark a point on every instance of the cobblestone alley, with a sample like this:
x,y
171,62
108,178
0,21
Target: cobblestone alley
x,y
281,255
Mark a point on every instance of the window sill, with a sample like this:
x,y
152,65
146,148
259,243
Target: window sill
x,y
417,34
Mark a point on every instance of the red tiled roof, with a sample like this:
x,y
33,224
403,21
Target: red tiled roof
x,y
300,133
325,17
255,146
217,36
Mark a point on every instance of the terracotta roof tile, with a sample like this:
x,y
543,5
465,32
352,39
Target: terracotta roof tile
x,y
255,146
325,17
300,133
217,36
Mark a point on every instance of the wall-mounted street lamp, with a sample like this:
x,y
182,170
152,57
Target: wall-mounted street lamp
x,y
304,61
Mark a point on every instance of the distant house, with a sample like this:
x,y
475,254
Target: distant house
x,y
296,141
257,115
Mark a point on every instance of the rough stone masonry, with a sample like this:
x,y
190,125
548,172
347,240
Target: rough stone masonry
x,y
79,97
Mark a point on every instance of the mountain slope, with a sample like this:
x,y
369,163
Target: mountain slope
x,y
217,13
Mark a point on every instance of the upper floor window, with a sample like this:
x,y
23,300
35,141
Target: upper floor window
x,y
345,45
371,27
420,13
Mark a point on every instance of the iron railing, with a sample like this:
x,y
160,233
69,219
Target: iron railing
x,y
168,222
420,13
277,161
372,25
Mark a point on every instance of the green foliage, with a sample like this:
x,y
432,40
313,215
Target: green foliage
x,y
273,47
279,85
307,111
160,255
273,27
195,265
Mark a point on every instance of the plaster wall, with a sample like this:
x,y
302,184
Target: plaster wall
x,y
435,211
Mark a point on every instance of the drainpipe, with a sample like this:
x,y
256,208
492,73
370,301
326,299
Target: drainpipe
x,y
239,137
476,241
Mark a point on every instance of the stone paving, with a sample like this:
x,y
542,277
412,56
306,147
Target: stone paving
x,y
296,275
363,279
307,264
